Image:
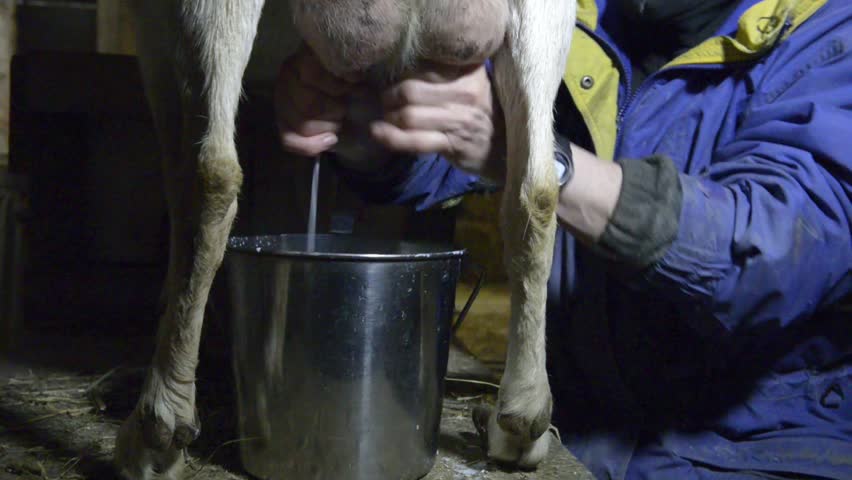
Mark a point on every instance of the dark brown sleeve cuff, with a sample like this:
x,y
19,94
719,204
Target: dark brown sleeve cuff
x,y
646,217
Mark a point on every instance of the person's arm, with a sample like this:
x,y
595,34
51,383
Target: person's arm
x,y
423,181
587,201
764,233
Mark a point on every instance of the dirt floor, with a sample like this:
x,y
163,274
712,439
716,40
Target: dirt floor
x,y
63,397
58,426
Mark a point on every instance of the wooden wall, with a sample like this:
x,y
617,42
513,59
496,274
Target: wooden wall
x,y
7,49
116,29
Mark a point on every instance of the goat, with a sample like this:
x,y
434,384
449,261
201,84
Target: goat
x,y
193,55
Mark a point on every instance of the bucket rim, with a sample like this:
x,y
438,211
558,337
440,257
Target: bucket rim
x,y
384,249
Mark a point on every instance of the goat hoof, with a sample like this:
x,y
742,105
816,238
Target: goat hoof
x,y
136,459
185,434
156,433
481,416
151,441
522,424
516,439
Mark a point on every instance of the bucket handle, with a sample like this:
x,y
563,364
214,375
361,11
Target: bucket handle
x,y
473,294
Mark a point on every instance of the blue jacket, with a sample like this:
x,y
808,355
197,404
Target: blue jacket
x,y
732,354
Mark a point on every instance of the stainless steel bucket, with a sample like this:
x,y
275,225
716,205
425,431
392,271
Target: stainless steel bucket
x,y
340,354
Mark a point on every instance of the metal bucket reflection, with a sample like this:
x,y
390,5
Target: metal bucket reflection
x,y
340,354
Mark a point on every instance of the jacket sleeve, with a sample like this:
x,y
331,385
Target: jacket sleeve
x,y
424,181
764,233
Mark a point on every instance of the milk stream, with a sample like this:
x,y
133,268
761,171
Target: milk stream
x,y
312,212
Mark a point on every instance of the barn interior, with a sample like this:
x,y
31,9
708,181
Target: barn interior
x,y
83,252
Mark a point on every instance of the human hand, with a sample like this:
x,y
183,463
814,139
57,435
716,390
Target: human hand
x,y
310,104
448,110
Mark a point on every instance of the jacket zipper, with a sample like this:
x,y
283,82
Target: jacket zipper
x,y
632,95
626,76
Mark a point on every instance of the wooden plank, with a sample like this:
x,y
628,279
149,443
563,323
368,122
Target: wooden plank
x,y
116,27
7,49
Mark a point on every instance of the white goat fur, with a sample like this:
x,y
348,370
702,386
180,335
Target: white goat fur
x,y
193,55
